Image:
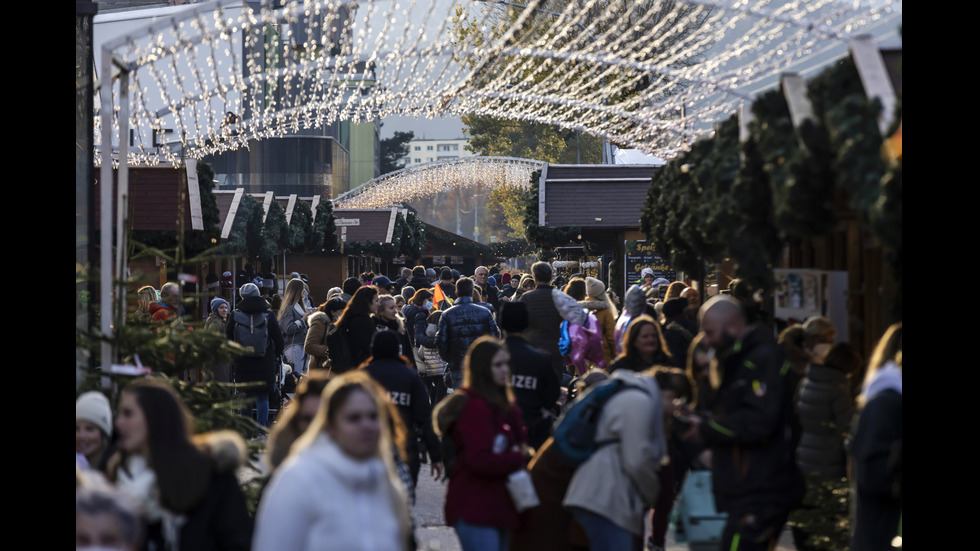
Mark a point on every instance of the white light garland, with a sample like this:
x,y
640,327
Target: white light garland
x,y
561,264
648,74
428,179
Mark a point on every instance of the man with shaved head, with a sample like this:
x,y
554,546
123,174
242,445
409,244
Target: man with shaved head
x,y
751,431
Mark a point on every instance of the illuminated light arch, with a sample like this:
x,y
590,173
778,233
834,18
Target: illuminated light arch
x,y
646,74
428,179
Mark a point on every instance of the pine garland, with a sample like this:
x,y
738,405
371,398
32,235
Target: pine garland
x,y
258,244
852,124
544,238
300,228
413,237
323,238
746,200
715,179
276,229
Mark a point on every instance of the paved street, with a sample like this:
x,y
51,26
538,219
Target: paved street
x,y
433,535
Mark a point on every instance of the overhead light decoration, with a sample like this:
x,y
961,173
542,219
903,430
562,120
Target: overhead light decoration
x,y
428,179
652,75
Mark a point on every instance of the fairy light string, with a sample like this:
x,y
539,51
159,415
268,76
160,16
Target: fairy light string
x,y
647,74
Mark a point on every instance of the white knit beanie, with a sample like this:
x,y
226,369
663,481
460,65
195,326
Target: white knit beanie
x,y
94,407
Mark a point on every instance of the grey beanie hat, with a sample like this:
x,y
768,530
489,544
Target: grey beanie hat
x,y
634,301
94,407
216,302
249,290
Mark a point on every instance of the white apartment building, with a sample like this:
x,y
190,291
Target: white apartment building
x,y
423,151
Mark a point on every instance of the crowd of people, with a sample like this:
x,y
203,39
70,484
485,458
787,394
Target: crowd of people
x,y
484,379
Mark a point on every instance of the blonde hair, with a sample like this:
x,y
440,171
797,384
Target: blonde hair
x,y
674,290
293,295
337,392
381,304
889,348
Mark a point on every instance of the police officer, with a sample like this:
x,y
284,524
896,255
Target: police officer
x,y
407,391
534,382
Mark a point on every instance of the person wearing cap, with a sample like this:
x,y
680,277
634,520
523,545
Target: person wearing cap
x,y
383,284
257,369
431,276
597,302
218,322
646,279
508,286
446,283
392,371
350,286
93,425
634,304
536,386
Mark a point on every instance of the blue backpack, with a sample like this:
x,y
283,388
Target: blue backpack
x,y
574,438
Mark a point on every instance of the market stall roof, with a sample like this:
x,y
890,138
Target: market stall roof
x,y
365,225
154,199
593,196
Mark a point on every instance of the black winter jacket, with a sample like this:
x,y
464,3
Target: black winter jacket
x,y
825,409
536,388
258,368
419,283
751,430
360,329
459,326
544,330
401,331
408,393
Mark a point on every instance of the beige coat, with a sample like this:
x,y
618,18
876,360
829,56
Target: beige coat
x,y
619,482
316,344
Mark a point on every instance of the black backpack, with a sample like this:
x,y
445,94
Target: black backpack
x,y
252,332
338,348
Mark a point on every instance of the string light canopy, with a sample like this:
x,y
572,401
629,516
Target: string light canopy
x,y
647,74
425,180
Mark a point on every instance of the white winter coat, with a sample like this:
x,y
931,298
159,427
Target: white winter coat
x,y
322,499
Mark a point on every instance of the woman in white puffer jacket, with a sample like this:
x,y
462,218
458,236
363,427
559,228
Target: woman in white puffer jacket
x,y
346,455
